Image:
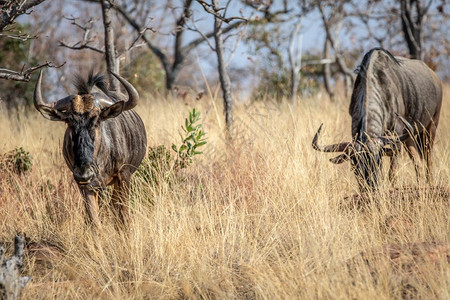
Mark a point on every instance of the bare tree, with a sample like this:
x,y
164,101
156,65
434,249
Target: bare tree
x,y
413,13
295,59
219,14
180,51
173,63
223,75
333,14
112,57
416,28
422,24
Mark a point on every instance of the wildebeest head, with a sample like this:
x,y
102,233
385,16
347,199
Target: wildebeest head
x,y
364,153
83,113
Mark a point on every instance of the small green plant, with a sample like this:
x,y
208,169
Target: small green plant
x,y
192,140
161,164
18,161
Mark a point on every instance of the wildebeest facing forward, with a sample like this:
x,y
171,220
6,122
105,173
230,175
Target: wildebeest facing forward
x,y
105,140
387,87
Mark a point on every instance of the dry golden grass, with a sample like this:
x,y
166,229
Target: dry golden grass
x,y
261,219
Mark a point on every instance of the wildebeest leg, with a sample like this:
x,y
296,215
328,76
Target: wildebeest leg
x,y
394,164
102,198
428,140
120,198
414,154
91,206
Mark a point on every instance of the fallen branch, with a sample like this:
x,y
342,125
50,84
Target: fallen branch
x,y
11,284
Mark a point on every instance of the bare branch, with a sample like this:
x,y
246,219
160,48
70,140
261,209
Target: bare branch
x,y
81,46
84,43
140,35
327,23
195,29
216,12
163,58
86,27
236,45
12,9
181,50
22,37
25,74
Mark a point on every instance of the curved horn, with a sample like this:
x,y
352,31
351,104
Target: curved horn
x,y
61,104
102,100
341,147
37,95
133,96
407,124
340,158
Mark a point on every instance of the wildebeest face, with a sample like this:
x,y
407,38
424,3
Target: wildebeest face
x,y
83,116
366,164
83,113
365,154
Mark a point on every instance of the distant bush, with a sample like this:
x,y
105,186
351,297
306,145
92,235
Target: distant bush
x,y
276,84
14,54
18,161
145,73
162,164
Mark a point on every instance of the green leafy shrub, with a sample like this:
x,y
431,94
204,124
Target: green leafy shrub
x,y
18,161
161,164
193,138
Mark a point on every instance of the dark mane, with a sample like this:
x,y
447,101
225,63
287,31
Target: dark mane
x,y
357,108
362,68
84,87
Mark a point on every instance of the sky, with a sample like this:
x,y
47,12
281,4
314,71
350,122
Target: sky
x,y
312,31
313,37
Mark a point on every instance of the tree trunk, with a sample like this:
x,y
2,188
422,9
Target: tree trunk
x,y
412,29
346,72
225,82
327,71
295,59
170,80
112,64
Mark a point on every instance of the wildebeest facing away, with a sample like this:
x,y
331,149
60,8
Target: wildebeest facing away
x,y
105,140
387,87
